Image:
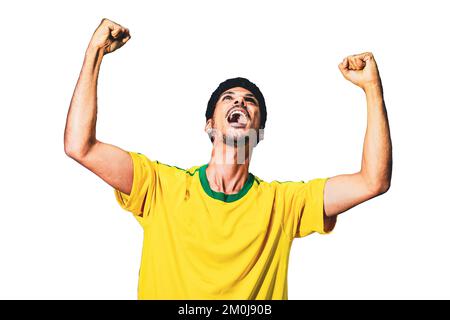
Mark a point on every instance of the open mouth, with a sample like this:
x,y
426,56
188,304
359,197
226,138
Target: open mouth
x,y
238,117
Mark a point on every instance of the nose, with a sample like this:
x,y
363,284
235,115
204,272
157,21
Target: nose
x,y
240,101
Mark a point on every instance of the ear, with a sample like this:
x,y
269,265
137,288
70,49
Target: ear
x,y
208,126
209,129
260,135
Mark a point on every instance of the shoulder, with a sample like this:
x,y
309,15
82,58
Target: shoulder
x,y
280,188
277,183
172,169
162,168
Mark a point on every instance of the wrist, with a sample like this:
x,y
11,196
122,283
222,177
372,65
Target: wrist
x,y
373,87
95,52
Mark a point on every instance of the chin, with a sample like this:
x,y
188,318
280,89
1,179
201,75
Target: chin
x,y
240,136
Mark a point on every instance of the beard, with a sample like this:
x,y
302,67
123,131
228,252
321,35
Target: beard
x,y
237,140
242,142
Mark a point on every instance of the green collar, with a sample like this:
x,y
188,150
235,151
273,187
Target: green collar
x,y
220,195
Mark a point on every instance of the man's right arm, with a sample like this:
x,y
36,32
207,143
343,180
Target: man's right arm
x,y
109,162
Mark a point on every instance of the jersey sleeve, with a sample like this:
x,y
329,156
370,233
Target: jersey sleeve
x,y
145,173
303,208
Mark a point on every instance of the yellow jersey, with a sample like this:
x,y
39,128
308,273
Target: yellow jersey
x,y
203,244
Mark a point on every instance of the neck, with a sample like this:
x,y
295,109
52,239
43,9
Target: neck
x,y
228,168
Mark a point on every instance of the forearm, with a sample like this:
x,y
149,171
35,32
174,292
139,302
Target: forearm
x,y
376,166
79,134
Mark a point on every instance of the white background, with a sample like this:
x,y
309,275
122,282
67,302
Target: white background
x,y
62,234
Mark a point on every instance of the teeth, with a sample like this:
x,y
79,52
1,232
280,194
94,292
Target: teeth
x,y
238,111
241,118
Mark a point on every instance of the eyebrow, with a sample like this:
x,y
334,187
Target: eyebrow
x,y
231,92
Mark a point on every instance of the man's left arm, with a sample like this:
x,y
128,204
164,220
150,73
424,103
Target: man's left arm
x,y
345,191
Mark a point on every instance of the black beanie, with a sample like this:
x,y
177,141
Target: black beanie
x,y
232,83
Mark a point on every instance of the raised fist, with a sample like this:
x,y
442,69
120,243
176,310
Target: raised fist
x,y
109,36
360,69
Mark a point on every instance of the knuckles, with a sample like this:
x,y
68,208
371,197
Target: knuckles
x,y
106,21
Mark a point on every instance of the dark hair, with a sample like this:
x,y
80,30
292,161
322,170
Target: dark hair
x,y
232,83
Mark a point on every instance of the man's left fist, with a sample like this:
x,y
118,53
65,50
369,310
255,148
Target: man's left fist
x,y
361,69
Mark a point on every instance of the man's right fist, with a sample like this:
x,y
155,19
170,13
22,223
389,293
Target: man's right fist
x,y
109,36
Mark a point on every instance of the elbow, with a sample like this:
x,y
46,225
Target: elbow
x,y
78,142
75,151
379,187
71,151
384,187
376,184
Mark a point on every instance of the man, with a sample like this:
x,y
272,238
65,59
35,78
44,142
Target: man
x,y
216,231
